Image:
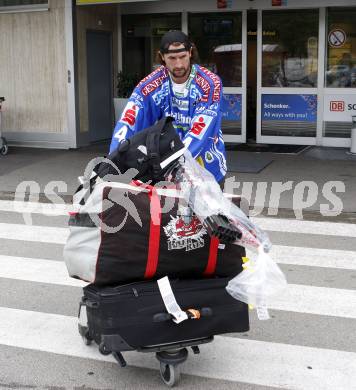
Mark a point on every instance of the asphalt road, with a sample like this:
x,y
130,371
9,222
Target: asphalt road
x,y
308,344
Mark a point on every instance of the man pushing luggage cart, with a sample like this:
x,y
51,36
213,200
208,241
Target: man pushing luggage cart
x,y
152,290
164,280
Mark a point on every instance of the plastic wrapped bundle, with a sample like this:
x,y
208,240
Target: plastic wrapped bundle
x,y
203,194
263,278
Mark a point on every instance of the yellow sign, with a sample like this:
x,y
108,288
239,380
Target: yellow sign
x,y
265,33
87,2
84,2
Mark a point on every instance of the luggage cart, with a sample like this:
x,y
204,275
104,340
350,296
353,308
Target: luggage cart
x,y
170,355
3,143
133,317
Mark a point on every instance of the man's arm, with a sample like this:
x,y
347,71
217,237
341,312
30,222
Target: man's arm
x,y
130,122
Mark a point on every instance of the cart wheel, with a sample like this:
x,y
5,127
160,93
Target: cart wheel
x,y
103,349
86,340
4,149
170,373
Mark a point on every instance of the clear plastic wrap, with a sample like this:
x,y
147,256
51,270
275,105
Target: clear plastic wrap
x,y
203,194
260,280
263,278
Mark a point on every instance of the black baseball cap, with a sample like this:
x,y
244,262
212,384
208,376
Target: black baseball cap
x,y
173,37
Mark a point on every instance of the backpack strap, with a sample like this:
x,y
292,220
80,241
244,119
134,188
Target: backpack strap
x,y
152,145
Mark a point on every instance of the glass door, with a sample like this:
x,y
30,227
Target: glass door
x,y
220,38
287,76
340,76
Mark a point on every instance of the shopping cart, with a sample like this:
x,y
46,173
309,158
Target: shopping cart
x,y
3,143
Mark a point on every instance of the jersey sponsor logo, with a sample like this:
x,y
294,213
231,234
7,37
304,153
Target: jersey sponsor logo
x,y
200,125
216,81
209,158
180,118
161,94
205,87
130,113
200,109
181,104
210,113
195,94
138,98
214,106
150,76
154,84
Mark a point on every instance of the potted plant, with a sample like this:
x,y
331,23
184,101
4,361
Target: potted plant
x,y
125,84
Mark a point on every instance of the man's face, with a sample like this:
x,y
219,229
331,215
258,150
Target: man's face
x,y
178,64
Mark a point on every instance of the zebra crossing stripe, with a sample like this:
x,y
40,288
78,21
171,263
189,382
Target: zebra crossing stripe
x,y
50,209
306,227
37,270
59,235
44,234
295,298
256,362
316,300
312,257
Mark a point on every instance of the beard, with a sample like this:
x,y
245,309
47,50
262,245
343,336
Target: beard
x,y
180,72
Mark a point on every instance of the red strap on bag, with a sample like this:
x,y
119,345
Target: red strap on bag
x,y
213,256
155,229
155,234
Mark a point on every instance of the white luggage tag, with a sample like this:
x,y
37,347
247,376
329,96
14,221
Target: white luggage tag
x,y
262,312
169,300
82,317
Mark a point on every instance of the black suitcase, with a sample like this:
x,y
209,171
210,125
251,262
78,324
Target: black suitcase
x,y
133,317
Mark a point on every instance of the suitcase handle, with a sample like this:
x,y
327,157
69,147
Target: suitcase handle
x,y
193,314
88,303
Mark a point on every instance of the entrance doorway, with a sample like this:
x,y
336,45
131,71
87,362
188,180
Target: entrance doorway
x,y
251,98
99,71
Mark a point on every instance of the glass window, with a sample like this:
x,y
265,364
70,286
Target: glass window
x,y
141,39
217,37
290,49
341,48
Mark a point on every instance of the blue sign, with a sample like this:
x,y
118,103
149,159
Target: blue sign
x,y
231,107
289,108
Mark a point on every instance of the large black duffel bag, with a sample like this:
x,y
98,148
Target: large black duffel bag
x,y
133,316
118,246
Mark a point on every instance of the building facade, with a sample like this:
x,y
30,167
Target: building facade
x,y
288,66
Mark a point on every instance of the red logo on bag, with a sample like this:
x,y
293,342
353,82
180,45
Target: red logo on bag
x,y
337,105
186,230
129,115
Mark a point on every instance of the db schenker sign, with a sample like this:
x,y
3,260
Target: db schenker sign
x,y
339,108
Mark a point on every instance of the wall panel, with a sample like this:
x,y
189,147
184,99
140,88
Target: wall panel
x,y
33,75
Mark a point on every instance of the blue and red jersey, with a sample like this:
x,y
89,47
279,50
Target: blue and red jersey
x,y
196,113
